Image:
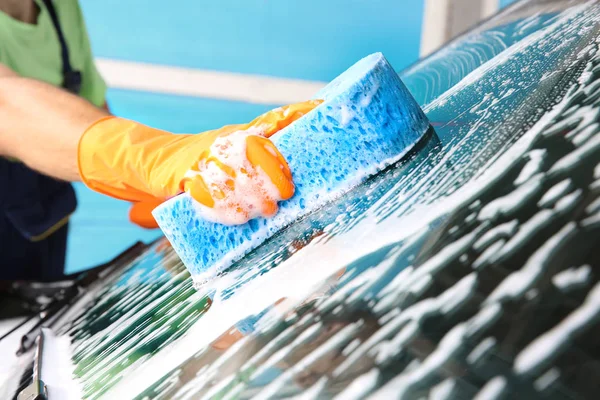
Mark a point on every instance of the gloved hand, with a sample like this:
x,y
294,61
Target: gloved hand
x,y
131,161
140,213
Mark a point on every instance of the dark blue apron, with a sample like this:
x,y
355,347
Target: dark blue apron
x,y
34,208
34,212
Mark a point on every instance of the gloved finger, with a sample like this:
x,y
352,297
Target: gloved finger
x,y
269,208
196,188
261,152
277,119
140,213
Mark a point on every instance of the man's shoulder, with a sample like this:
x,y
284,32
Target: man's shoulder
x,y
69,14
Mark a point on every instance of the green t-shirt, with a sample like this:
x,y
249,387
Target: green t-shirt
x,y
34,50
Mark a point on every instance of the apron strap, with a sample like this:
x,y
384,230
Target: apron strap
x,y
71,77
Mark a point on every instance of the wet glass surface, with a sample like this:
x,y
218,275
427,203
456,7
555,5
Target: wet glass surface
x,y
149,306
431,77
468,268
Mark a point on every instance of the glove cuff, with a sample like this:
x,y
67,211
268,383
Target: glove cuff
x,y
106,154
83,152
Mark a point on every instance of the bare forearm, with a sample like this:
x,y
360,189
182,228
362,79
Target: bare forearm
x,y
41,125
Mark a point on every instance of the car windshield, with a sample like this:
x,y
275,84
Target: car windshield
x,y
466,268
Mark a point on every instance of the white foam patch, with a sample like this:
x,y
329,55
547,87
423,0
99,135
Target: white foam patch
x,y
346,115
240,197
555,193
494,389
533,166
366,100
443,390
481,350
547,346
10,361
57,368
517,283
360,387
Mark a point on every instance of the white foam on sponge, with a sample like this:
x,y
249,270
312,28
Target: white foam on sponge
x,y
368,120
241,194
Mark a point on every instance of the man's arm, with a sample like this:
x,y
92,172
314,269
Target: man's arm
x,y
65,136
5,71
41,125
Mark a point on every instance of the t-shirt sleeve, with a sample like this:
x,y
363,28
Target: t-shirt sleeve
x,y
93,86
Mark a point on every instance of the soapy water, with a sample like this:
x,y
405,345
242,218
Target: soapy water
x,y
394,285
445,68
240,190
385,123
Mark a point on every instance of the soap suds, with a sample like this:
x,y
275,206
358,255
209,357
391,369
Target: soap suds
x,y
360,386
554,193
366,100
443,390
8,348
346,115
57,367
533,166
494,389
572,277
547,346
241,194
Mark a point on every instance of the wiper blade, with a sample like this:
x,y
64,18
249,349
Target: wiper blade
x,y
37,390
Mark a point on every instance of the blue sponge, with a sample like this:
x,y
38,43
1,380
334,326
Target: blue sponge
x,y
367,121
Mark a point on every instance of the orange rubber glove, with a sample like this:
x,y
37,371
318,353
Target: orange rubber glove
x,y
140,213
131,161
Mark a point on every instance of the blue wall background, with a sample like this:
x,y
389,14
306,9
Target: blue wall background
x,y
310,39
